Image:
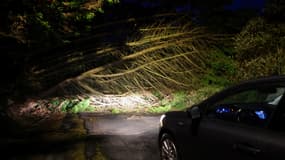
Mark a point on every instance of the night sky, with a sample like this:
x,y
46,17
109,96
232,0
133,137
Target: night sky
x,y
244,4
237,4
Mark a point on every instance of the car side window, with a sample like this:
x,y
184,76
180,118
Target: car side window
x,y
252,106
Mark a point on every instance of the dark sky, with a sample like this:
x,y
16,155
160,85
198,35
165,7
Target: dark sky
x,y
240,4
237,4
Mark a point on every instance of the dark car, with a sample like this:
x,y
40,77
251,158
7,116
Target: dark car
x,y
243,122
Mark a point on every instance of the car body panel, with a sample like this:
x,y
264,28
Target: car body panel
x,y
226,139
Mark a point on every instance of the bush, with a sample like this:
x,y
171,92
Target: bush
x,y
220,69
260,49
75,106
175,101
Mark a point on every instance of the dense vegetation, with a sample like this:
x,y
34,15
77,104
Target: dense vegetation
x,y
81,47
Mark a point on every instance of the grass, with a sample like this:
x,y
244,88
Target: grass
x,y
159,109
76,106
181,100
98,154
175,101
204,92
116,111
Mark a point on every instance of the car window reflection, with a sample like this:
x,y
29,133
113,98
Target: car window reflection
x,y
252,106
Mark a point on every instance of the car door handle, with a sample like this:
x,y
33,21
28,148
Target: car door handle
x,y
180,123
246,148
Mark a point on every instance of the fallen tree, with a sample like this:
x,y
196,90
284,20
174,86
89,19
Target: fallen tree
x,y
166,55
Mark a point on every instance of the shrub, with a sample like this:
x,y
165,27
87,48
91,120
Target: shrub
x,y
75,106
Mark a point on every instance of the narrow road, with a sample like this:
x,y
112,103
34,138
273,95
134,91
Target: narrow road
x,y
109,137
123,137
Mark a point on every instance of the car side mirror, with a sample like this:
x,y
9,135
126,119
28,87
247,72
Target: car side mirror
x,y
194,112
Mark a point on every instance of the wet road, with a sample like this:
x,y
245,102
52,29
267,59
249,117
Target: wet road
x,y
110,137
123,137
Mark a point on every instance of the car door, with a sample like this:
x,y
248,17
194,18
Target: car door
x,y
274,139
235,125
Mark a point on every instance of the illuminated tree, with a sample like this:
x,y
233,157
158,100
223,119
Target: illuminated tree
x,y
165,56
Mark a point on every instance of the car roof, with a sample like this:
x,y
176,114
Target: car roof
x,y
267,79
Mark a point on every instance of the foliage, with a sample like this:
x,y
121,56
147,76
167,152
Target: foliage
x,y
258,38
175,101
81,106
75,106
116,111
181,100
158,95
275,10
159,109
113,1
221,69
53,20
98,154
269,64
260,49
204,92
171,53
164,55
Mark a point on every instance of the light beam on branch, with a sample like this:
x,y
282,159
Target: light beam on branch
x,y
166,55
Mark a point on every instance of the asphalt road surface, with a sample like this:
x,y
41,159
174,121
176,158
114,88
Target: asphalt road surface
x,y
123,137
110,137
